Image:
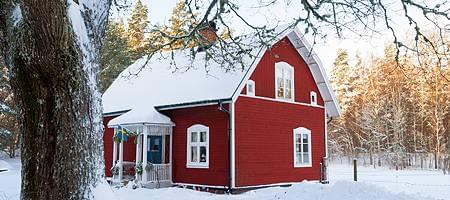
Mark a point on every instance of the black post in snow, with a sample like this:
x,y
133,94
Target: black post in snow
x,y
355,170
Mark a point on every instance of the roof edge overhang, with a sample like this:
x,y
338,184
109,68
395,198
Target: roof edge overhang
x,y
175,106
320,77
142,123
192,104
115,113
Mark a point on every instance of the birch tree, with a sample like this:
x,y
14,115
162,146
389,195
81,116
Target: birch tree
x,y
398,110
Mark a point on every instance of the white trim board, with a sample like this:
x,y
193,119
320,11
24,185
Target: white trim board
x,y
233,145
281,101
200,185
274,184
244,187
191,106
314,64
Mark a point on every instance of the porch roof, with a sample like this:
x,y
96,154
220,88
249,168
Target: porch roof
x,y
143,115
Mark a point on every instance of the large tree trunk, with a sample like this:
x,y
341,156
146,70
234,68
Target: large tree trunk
x,y
52,48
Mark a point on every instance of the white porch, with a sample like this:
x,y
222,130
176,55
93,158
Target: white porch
x,y
152,134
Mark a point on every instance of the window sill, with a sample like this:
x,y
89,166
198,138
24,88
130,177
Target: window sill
x,y
200,166
284,99
303,166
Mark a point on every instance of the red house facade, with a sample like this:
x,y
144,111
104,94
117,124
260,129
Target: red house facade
x,y
265,125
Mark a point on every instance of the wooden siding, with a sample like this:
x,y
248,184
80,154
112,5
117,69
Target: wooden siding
x,y
129,147
264,127
264,141
217,121
264,74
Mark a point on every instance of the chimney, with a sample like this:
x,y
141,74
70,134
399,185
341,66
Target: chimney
x,y
207,35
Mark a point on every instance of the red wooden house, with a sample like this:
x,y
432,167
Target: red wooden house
x,y
264,125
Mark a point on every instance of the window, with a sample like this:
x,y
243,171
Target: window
x,y
302,147
198,146
313,98
284,81
251,88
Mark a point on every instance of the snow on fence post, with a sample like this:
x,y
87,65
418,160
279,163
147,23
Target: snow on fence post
x,y
144,154
355,170
114,150
121,156
138,154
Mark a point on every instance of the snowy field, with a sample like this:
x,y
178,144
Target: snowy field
x,y
373,184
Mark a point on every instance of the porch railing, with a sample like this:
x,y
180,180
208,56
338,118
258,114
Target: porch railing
x,y
158,172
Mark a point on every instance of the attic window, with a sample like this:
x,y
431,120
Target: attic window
x,y
313,98
251,88
284,81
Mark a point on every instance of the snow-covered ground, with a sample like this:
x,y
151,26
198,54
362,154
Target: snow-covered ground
x,y
428,183
373,184
10,180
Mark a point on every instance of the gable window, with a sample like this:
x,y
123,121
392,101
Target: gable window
x,y
313,98
302,147
284,81
251,88
197,146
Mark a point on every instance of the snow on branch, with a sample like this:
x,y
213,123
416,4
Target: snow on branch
x,y
345,17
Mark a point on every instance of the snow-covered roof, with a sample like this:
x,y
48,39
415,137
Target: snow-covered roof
x,y
159,83
145,115
176,78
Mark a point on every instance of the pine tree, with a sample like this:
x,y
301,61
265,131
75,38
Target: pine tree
x,y
344,132
9,133
340,78
137,26
181,22
116,55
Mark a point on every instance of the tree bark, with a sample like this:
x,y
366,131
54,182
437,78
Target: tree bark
x,y
53,74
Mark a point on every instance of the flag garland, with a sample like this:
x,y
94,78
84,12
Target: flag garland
x,y
122,134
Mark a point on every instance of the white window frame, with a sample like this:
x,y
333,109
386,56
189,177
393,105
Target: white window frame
x,y
302,131
313,98
197,128
252,83
280,67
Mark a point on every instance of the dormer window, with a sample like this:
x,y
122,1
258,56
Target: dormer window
x,y
284,81
313,98
251,88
